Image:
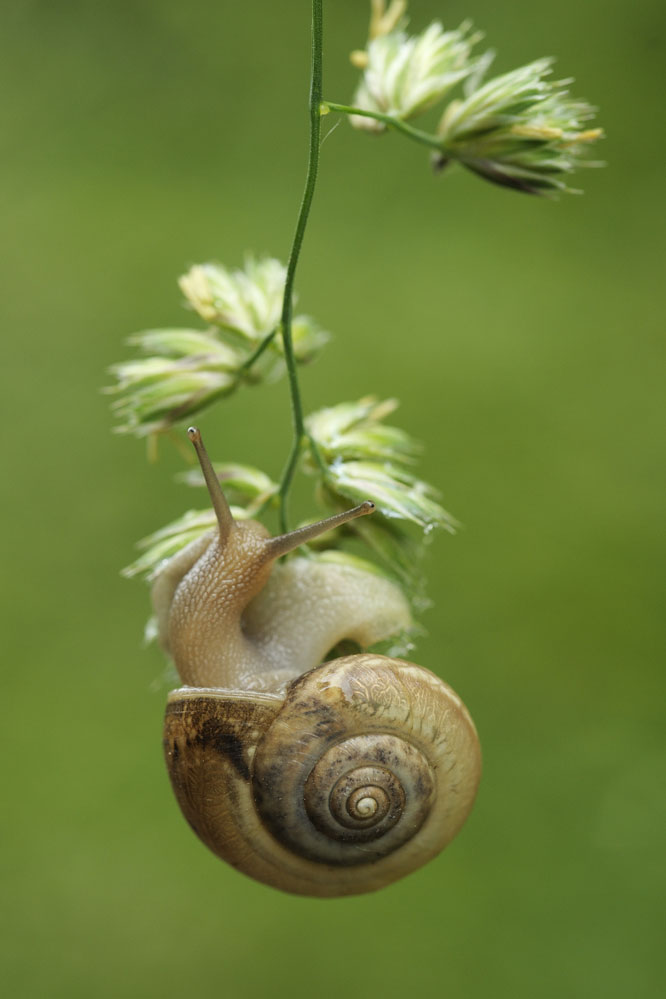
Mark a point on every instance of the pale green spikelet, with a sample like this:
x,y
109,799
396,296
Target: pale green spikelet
x,y
519,130
405,75
185,370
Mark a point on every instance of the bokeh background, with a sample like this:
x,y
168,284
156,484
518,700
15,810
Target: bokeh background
x,y
523,338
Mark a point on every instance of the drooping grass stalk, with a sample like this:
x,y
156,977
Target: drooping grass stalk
x,y
301,223
268,339
414,133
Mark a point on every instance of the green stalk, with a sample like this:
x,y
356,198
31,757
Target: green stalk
x,y
414,133
256,354
285,322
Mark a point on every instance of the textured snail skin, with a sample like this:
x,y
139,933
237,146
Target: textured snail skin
x,y
243,769
228,621
324,779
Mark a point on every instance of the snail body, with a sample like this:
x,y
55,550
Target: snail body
x,y
319,778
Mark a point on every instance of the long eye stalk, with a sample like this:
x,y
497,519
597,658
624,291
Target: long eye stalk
x,y
220,506
275,547
287,542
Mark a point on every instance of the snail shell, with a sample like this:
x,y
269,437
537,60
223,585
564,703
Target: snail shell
x,y
362,773
332,780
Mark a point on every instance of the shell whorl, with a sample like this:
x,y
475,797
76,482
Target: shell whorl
x,y
334,781
360,729
366,770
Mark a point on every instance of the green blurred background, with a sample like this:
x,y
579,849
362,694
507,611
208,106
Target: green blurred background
x,y
522,338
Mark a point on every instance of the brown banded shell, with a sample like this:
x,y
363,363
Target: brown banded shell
x,y
364,772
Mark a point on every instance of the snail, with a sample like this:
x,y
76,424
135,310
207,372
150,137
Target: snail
x,y
317,777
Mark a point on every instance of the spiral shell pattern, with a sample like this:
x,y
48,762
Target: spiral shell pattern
x,y
362,750
362,773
